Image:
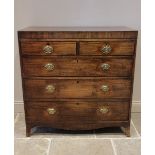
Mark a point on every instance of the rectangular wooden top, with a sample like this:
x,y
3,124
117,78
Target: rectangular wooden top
x,y
78,29
119,32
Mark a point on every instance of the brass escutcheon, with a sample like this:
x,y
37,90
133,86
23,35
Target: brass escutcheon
x,y
105,66
49,66
50,88
51,111
104,88
106,49
48,49
103,110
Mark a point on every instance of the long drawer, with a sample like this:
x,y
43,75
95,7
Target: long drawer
x,y
48,48
76,115
95,66
107,48
77,88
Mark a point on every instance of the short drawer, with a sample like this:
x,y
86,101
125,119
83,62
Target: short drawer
x,y
77,67
76,115
77,88
107,48
48,48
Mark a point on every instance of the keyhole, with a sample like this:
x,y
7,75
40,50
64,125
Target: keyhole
x,y
77,81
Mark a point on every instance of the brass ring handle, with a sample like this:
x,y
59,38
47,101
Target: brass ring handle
x,y
49,66
105,66
48,49
106,49
51,111
104,88
104,110
50,88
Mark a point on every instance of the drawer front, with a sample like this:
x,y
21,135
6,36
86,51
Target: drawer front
x,y
76,115
77,67
48,48
77,88
50,67
105,67
107,48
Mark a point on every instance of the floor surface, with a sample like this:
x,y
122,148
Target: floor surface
x,y
47,141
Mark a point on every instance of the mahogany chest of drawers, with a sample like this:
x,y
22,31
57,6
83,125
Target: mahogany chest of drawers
x,y
77,78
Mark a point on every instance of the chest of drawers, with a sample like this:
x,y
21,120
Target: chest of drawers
x,y
77,78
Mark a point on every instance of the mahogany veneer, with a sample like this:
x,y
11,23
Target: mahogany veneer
x,y
77,78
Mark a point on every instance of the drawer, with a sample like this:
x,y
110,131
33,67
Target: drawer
x,y
106,67
107,48
77,67
77,88
76,115
50,66
48,48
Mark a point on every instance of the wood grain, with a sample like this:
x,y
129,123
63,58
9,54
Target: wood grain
x,y
59,48
79,114
80,88
118,48
34,66
78,32
77,77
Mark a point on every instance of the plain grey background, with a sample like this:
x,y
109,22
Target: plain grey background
x,y
77,13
